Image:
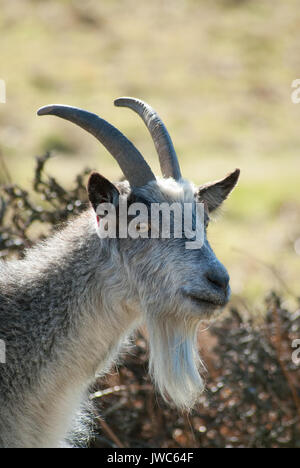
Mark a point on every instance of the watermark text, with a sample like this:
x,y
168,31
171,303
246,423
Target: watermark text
x,y
2,352
296,353
2,92
295,96
159,220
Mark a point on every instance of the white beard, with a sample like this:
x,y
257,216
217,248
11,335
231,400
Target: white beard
x,y
174,359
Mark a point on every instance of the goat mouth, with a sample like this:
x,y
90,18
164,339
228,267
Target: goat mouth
x,y
200,301
204,302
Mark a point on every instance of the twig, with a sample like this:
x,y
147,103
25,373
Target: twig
x,y
119,388
110,433
107,391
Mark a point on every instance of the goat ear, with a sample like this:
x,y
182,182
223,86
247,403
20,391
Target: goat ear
x,y
214,193
101,190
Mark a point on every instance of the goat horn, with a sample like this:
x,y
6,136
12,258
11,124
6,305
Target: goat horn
x,y
167,156
130,160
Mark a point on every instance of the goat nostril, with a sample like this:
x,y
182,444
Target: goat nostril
x,y
220,280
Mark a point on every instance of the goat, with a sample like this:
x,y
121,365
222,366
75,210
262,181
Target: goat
x,y
69,305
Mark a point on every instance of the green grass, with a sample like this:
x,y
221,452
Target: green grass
x,y
220,75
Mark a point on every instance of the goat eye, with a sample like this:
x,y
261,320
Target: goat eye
x,y
142,227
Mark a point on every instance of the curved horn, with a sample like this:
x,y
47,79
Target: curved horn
x,y
167,156
130,160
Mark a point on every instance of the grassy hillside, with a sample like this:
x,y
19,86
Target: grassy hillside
x,y
220,75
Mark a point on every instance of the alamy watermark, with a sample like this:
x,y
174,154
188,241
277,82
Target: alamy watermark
x,y
296,353
159,220
295,96
2,92
2,352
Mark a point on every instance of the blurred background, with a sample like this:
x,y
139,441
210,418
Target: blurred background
x,y
219,73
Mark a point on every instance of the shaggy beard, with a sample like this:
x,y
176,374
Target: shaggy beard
x,y
174,359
